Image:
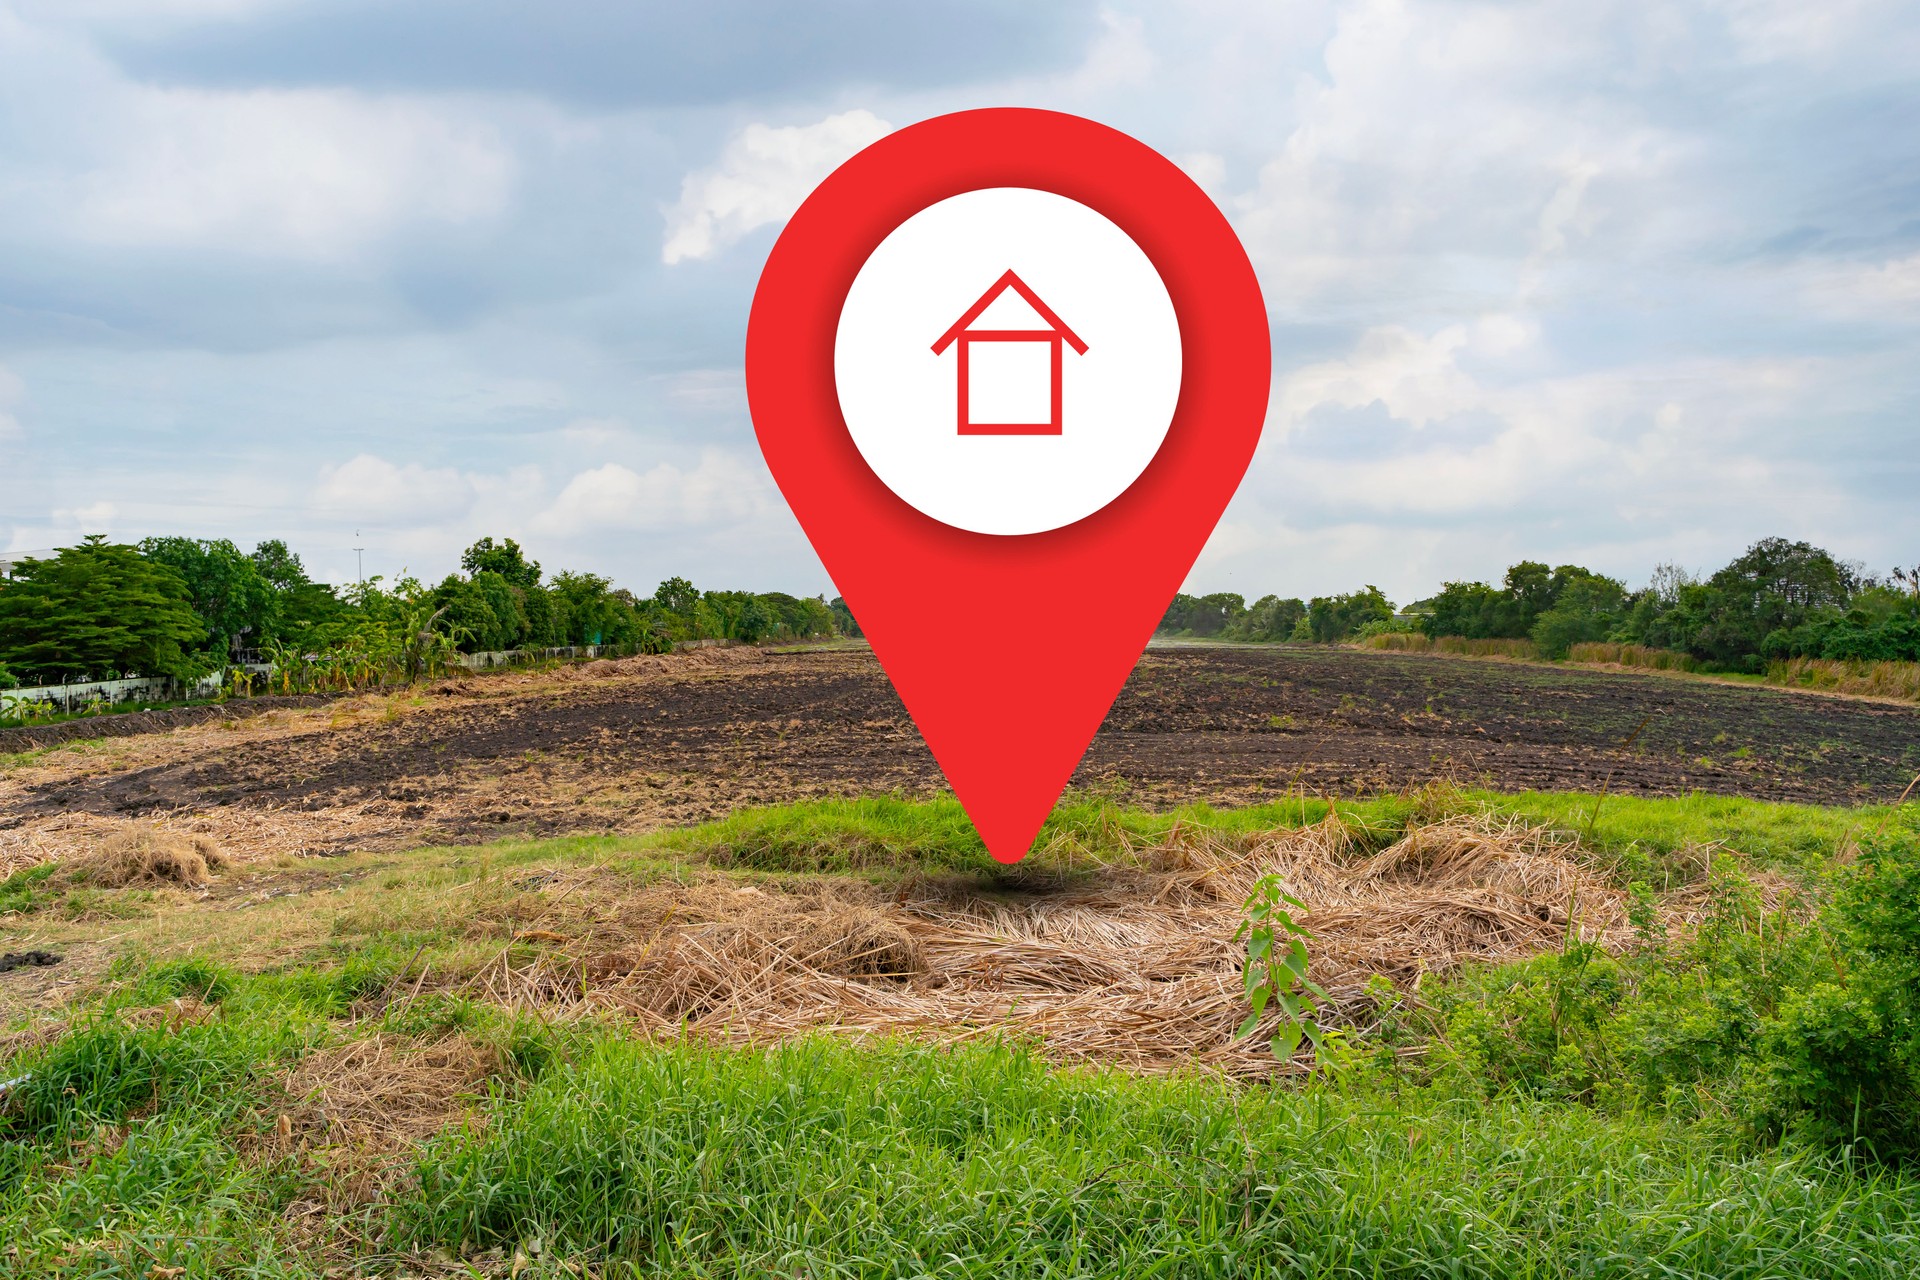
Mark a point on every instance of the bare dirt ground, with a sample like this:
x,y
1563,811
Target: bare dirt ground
x,y
649,742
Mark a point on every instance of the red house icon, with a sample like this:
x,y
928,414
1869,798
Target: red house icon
x,y
1012,381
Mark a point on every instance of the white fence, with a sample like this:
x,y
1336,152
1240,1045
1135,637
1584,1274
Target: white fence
x,y
487,661
76,697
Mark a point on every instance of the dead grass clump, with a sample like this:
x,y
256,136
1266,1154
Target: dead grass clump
x,y
358,1108
1766,893
145,854
1134,964
35,1035
817,931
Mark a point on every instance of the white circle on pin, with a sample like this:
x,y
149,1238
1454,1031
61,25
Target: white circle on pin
x,y
1008,361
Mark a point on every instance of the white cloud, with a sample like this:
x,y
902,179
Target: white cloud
x,y
1540,279
761,178
1467,430
393,495
92,517
1120,59
1434,145
1208,171
312,173
723,486
1790,30
1417,378
142,18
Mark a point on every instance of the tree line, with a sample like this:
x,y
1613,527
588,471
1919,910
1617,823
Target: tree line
x,y
1779,599
189,607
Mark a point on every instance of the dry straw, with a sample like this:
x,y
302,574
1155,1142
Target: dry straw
x,y
143,854
1135,965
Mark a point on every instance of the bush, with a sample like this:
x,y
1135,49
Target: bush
x,y
1270,618
1808,1028
1331,619
1666,1028
1842,1061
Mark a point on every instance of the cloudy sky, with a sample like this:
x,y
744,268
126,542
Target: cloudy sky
x,y
1610,283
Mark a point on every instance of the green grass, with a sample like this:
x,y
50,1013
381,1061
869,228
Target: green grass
x,y
1647,832
1652,837
1515,1148
137,1147
830,1160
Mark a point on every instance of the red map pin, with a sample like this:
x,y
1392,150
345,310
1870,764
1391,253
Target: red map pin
x,y
1011,365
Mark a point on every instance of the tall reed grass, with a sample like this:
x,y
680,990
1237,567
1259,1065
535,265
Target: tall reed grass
x,y
1877,679
1415,642
1632,655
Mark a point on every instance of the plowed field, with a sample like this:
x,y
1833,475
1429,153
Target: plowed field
x,y
631,746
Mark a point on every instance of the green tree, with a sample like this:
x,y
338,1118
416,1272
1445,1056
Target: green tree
x,y
1270,618
1510,611
1202,615
300,605
228,592
278,565
1584,609
96,610
1331,619
1776,585
677,595
546,617
843,619
1471,609
485,611
593,613
1778,598
504,558
742,615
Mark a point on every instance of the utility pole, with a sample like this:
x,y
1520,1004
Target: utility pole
x,y
360,565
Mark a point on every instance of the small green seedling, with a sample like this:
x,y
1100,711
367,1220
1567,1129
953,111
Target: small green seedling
x,y
1276,969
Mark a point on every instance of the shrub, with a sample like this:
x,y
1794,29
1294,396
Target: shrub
x,y
1789,1026
1331,619
1841,1063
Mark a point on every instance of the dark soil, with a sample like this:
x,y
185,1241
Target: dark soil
x,y
1202,723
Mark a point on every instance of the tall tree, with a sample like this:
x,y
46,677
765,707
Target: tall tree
x,y
96,610
226,587
504,558
279,566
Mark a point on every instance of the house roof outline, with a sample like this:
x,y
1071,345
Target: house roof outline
x,y
1010,281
